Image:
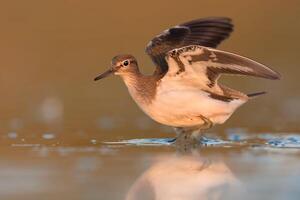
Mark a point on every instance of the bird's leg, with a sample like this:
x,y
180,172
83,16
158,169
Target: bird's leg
x,y
184,141
191,135
185,136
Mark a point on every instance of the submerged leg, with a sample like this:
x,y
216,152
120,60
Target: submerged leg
x,y
192,135
184,140
186,135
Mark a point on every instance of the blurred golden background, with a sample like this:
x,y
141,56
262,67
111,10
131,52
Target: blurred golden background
x,y
51,51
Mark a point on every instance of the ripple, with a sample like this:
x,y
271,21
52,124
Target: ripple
x,y
285,142
205,141
144,142
277,140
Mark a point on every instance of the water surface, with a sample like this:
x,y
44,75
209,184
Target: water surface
x,y
248,166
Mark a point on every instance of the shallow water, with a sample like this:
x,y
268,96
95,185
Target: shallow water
x,y
248,166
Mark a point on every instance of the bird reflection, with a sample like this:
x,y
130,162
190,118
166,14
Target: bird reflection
x,y
186,177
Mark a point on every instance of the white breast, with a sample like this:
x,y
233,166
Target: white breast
x,y
179,103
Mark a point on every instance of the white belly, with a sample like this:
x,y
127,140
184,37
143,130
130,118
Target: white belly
x,y
181,105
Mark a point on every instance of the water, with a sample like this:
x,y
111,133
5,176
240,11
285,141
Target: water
x,y
246,165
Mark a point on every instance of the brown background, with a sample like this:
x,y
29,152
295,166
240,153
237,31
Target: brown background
x,y
51,51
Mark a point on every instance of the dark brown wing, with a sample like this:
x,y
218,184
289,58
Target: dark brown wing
x,y
207,32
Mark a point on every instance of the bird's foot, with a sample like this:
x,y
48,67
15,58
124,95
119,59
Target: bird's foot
x,y
186,141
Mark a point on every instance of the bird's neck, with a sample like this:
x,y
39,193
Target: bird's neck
x,y
142,88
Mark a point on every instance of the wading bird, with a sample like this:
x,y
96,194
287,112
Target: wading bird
x,y
183,92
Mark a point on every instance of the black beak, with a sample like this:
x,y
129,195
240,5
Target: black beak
x,y
104,74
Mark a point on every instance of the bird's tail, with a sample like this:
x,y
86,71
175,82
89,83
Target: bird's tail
x,y
252,95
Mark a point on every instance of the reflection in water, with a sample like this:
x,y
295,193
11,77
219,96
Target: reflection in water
x,y
97,172
186,177
17,180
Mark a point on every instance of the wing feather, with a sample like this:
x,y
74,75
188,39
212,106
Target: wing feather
x,y
205,32
211,63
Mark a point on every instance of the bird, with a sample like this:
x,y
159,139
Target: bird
x,y
186,176
183,92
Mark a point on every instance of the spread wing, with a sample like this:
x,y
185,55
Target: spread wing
x,y
210,63
207,32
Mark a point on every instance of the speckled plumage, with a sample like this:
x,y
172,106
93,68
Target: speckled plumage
x,y
183,91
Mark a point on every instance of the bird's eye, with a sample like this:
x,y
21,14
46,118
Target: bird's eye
x,y
126,63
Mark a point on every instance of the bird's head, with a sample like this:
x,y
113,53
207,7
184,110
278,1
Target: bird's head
x,y
120,65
